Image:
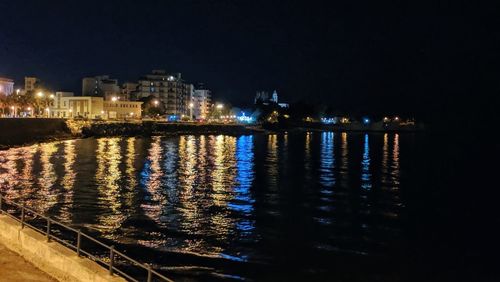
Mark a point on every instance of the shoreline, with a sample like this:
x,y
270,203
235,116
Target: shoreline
x,y
26,132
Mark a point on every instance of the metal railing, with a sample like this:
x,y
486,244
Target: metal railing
x,y
114,255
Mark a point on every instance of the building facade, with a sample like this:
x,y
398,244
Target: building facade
x,y
6,86
122,109
31,84
200,101
59,107
100,86
129,91
170,89
66,105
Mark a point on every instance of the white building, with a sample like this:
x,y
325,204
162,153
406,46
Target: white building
x,y
200,101
66,105
6,86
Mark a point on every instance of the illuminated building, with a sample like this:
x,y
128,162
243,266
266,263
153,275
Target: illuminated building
x,y
6,86
122,109
200,102
170,89
66,105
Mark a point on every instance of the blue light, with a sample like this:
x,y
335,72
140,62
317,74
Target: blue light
x,y
245,119
328,120
173,118
366,121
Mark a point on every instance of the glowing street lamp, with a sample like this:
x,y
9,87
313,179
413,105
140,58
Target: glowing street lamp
x,y
191,110
156,103
220,106
18,90
114,99
40,94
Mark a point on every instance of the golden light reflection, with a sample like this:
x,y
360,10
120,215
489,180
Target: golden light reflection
x,y
223,174
48,177
16,172
272,159
68,179
108,175
154,181
344,161
223,180
187,177
130,171
395,162
385,159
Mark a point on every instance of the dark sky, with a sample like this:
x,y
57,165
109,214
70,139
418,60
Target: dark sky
x,y
381,57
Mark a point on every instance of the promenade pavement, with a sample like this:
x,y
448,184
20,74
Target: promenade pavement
x,y
14,268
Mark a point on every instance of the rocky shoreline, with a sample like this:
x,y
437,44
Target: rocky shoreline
x,y
22,132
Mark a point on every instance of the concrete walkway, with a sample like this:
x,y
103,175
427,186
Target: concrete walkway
x,y
14,268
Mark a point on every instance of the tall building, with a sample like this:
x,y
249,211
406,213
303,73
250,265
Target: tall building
x,y
129,91
170,89
100,86
31,83
200,100
6,86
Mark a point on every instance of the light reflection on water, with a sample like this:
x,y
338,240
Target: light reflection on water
x,y
215,195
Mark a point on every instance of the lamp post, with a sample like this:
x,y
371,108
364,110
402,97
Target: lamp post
x,y
219,108
191,110
39,95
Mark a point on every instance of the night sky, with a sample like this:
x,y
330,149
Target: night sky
x,y
416,59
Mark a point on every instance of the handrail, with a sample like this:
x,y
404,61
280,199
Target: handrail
x,y
113,254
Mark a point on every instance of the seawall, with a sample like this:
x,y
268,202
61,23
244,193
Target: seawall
x,y
19,131
148,128
52,258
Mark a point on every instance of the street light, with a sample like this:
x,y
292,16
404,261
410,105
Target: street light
x,y
17,91
39,94
191,110
114,99
155,102
220,106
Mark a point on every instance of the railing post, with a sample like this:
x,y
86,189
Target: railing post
x,y
78,241
48,229
150,274
111,259
22,216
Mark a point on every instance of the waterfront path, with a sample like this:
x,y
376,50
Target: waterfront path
x,y
14,268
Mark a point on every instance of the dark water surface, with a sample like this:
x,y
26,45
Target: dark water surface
x,y
317,205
